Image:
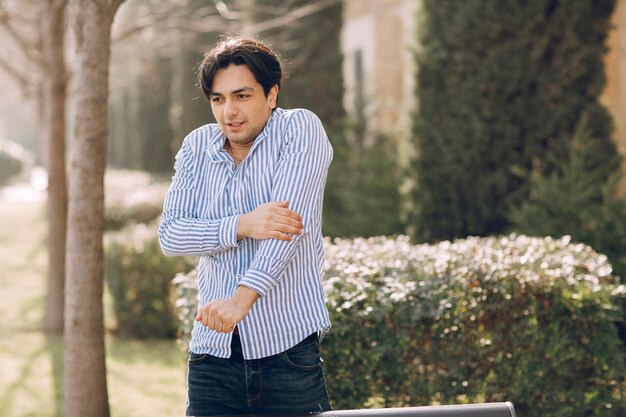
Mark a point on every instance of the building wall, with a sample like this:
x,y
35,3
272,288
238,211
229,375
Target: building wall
x,y
614,95
377,41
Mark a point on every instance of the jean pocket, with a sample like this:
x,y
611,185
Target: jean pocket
x,y
303,358
196,358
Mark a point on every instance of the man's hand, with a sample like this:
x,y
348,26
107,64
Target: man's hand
x,y
223,315
270,221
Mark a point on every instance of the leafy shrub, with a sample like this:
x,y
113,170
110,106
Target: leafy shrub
x,y
132,197
523,319
186,285
578,200
363,191
514,318
9,167
139,278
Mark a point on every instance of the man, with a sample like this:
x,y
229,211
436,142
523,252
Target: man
x,y
247,198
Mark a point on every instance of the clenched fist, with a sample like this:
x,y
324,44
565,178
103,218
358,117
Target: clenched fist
x,y
223,315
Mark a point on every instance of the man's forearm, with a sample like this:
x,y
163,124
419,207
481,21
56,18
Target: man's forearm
x,y
197,237
245,297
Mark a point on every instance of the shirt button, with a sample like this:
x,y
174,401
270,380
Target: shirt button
x,y
234,178
235,211
238,276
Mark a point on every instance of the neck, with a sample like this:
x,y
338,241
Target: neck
x,y
237,152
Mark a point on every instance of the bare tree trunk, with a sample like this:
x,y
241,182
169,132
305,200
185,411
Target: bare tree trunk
x,y
54,95
85,369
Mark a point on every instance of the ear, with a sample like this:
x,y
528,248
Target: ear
x,y
272,96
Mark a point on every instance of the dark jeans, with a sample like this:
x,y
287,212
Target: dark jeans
x,y
289,382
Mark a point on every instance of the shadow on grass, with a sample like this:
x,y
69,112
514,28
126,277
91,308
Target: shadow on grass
x,y
53,346
146,370
166,352
36,249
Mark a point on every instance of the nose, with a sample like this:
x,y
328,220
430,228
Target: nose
x,y
230,109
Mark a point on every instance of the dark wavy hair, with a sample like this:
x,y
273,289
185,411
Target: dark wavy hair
x,y
264,63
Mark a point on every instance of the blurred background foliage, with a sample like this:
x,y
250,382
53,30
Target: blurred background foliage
x,y
139,279
500,90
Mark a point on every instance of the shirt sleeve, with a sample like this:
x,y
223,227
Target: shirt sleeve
x,y
181,232
300,178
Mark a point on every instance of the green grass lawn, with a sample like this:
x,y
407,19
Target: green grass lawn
x,y
145,378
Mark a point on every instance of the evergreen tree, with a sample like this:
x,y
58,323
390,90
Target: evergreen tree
x,y
359,178
577,200
155,99
361,197
501,86
189,108
362,192
152,121
141,133
311,50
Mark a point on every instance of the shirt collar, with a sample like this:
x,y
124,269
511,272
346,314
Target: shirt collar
x,y
218,139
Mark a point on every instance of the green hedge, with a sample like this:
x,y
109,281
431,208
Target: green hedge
x,y
186,285
139,279
528,320
514,318
132,197
576,199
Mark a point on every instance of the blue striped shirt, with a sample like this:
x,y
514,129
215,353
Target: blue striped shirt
x,y
288,161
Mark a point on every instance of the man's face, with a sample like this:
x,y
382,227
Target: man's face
x,y
239,104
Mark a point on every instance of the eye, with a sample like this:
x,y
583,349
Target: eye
x,y
243,96
216,99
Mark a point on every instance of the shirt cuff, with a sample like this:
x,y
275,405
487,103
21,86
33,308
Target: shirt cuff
x,y
263,275
227,234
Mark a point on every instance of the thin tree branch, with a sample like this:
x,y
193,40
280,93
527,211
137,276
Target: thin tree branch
x,y
173,20
227,14
27,47
24,82
114,5
142,23
204,26
219,25
274,10
205,20
292,16
58,4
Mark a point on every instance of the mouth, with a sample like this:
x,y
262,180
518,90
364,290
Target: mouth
x,y
234,125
